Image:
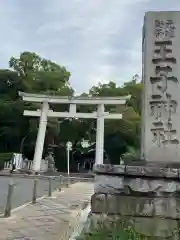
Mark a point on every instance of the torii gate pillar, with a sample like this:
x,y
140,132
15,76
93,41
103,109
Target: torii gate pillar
x,y
40,137
100,135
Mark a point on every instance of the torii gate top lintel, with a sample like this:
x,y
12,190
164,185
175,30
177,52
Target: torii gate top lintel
x,y
32,97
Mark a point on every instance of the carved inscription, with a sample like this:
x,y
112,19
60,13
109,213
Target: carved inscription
x,y
163,108
162,136
164,29
163,52
162,104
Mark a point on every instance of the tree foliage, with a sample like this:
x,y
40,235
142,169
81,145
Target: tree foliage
x,y
32,73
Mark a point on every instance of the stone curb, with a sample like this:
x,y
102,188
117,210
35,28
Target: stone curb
x,y
149,171
44,177
82,218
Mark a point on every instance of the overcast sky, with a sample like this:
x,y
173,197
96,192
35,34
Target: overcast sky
x,y
96,40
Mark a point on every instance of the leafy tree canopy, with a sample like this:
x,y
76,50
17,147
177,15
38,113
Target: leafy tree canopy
x,y
31,73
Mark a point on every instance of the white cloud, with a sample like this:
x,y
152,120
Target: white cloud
x,y
97,40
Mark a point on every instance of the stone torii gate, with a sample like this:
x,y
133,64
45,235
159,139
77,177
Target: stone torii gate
x,y
46,112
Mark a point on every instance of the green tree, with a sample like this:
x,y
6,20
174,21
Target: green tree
x,y
12,123
30,73
41,75
119,134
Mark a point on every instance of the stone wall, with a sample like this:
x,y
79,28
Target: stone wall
x,y
149,195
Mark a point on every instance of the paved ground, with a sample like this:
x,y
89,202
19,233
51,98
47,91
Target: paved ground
x,y
23,190
51,218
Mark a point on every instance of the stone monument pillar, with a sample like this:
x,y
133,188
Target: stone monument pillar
x,y
161,98
147,193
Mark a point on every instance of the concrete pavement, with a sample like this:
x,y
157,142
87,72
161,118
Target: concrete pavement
x,y
52,218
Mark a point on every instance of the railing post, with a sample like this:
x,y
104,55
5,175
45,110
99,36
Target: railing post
x,y
67,182
7,212
61,182
34,191
50,187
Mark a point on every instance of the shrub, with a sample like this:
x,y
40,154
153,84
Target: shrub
x,y
112,230
131,155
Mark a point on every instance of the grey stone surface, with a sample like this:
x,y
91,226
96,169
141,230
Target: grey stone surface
x,y
152,205
153,229
147,170
161,99
136,206
108,184
51,218
136,186
109,168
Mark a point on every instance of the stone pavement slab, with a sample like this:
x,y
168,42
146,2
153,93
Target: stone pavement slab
x,y
51,218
